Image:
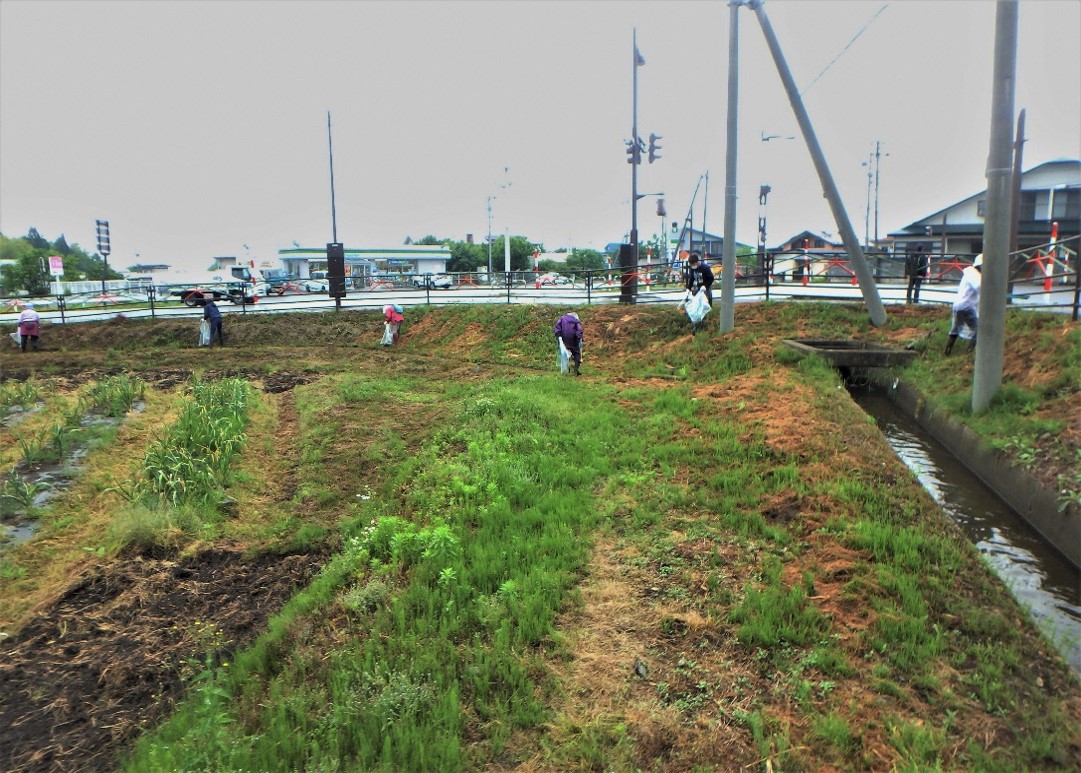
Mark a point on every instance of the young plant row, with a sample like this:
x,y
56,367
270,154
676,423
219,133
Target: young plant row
x,y
435,608
18,394
54,443
190,463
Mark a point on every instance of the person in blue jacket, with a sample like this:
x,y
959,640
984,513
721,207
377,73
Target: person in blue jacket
x,y
568,328
211,313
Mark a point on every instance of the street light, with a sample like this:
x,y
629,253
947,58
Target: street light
x,y
490,238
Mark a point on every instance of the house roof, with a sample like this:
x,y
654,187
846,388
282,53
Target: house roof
x,y
825,236
935,217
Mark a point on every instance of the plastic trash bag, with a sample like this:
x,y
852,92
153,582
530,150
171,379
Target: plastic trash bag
x,y
388,334
966,331
697,308
204,332
17,338
563,357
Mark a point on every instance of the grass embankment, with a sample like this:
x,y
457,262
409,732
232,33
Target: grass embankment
x,y
708,561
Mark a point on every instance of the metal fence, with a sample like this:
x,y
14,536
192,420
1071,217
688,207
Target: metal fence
x,y
1044,278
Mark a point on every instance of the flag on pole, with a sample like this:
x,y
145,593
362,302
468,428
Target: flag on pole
x,y
639,60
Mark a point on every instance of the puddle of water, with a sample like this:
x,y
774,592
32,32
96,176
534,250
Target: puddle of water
x,y
48,480
1040,578
17,533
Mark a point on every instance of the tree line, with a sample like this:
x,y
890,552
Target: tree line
x,y
24,264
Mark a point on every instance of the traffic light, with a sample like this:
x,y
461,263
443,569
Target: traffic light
x,y
660,209
103,237
634,151
654,147
336,269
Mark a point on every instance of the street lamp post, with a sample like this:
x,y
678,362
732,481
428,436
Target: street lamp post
x,y
490,238
506,229
763,257
878,160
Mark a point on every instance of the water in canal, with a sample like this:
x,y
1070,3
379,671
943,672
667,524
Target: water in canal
x,y
1041,579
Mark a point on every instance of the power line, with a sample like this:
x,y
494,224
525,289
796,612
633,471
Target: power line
x,y
847,46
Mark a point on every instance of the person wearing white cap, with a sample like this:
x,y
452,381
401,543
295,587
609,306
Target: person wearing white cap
x,y
967,305
29,327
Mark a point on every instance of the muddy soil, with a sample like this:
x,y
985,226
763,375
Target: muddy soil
x,y
112,655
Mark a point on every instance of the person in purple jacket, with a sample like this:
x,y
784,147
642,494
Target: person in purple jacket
x,y
569,329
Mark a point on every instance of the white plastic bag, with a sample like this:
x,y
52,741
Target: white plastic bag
x,y
388,334
965,330
17,338
204,332
563,357
697,308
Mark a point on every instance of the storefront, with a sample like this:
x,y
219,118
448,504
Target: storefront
x,y
303,262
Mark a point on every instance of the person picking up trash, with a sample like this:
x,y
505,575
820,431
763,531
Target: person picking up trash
x,y
699,298
966,306
568,332
699,277
212,314
393,317
29,327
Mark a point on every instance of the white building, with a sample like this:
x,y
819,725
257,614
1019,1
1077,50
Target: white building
x,y
405,260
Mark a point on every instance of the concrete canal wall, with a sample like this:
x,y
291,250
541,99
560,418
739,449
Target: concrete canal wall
x,y
1032,500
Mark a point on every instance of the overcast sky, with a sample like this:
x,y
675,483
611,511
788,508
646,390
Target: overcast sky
x,y
199,127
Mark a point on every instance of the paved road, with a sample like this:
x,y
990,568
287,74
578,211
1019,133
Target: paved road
x,y
1024,295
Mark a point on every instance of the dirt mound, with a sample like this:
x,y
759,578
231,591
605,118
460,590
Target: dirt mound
x,y
111,656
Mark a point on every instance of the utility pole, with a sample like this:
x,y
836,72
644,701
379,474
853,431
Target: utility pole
x,y
871,298
490,239
726,321
333,210
878,167
987,371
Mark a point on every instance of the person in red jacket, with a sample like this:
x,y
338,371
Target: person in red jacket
x,y
393,317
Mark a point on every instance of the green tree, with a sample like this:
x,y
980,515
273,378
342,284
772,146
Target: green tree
x,y
60,246
27,274
585,260
467,257
521,253
37,241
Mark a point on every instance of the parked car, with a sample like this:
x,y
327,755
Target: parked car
x,y
552,280
434,281
315,286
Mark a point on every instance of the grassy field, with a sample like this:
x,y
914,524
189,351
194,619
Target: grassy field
x,y
307,552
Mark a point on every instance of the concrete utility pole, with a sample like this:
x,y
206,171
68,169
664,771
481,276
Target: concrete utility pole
x,y
855,255
728,259
987,373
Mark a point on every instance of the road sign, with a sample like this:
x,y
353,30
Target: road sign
x,y
56,265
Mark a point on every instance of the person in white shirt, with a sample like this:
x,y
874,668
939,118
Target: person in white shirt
x,y
967,305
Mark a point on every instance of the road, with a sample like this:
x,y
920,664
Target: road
x,y
1059,300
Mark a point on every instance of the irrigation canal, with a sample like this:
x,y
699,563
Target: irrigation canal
x,y
1041,579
